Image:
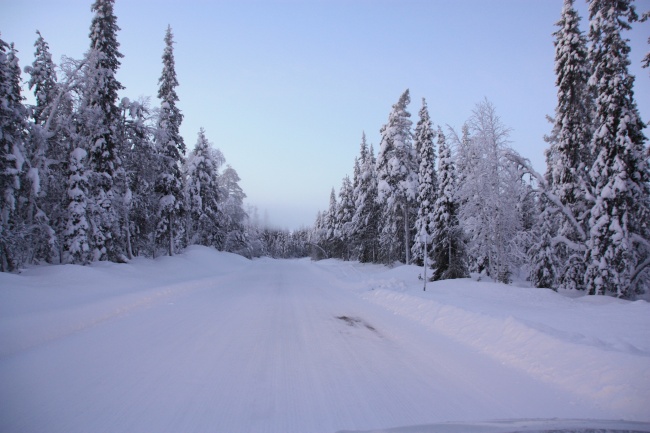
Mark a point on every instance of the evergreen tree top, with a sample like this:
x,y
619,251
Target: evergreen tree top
x,y
571,65
569,152
363,148
570,42
623,11
168,80
42,76
423,130
170,115
103,33
14,75
399,116
396,134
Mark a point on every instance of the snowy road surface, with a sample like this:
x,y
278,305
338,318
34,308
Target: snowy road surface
x,y
262,346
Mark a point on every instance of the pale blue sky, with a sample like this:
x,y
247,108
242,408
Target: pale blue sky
x,y
285,88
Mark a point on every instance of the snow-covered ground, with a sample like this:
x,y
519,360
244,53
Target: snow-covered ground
x,y
208,341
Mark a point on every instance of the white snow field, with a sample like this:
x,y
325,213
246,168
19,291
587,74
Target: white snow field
x,y
213,342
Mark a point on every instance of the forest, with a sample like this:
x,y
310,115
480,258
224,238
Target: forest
x,y
467,202
87,176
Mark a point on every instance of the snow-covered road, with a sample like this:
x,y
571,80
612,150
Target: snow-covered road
x,y
262,346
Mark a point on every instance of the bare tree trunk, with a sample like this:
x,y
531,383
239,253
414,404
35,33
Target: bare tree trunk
x,y
406,233
426,264
129,249
171,233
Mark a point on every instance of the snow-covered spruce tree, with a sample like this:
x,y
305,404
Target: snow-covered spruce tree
x,y
76,246
569,153
448,252
171,146
42,80
234,214
367,212
344,216
13,128
253,232
354,237
317,238
330,237
206,220
97,119
397,183
101,93
427,187
542,256
620,174
47,155
489,196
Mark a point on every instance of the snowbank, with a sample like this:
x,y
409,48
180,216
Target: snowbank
x,y
45,303
595,347
524,425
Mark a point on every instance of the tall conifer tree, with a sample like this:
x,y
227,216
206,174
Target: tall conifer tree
x,y
172,150
44,151
620,173
76,245
13,127
203,195
344,216
98,129
541,255
367,210
42,80
569,153
330,225
397,183
233,212
427,186
448,249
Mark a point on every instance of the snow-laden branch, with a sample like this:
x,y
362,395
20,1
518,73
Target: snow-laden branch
x,y
569,243
640,239
64,89
524,163
639,270
644,264
319,247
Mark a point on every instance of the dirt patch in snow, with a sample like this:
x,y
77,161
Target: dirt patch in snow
x,y
356,321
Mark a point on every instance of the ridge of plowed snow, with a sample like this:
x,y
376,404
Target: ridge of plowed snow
x,y
521,426
595,347
611,377
45,303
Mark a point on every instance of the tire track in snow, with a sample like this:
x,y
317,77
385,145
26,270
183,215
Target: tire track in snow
x,y
309,371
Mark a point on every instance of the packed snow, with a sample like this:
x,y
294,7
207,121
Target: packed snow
x,y
210,341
